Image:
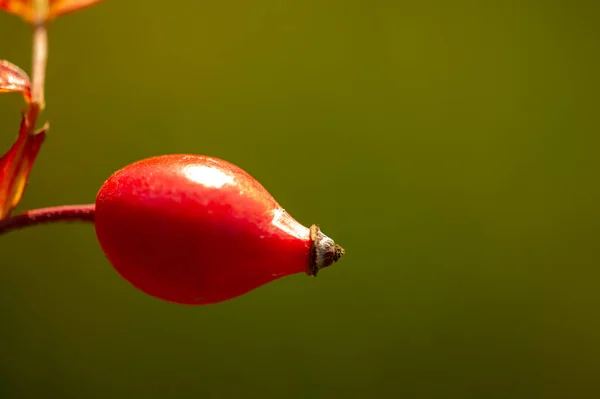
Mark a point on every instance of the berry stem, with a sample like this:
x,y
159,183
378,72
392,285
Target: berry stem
x,y
65,213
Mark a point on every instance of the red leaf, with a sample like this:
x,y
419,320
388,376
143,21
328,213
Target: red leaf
x,y
22,8
25,8
15,166
61,7
14,79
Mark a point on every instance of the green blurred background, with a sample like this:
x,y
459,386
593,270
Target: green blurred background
x,y
451,147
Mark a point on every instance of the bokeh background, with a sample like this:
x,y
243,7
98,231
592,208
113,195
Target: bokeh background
x,y
451,147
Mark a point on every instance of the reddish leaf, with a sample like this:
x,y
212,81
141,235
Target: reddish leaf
x,y
25,8
22,8
61,7
15,166
14,79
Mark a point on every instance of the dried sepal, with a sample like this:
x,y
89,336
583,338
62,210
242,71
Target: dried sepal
x,y
14,79
16,164
25,8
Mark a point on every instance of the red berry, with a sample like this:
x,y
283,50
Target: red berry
x,y
192,229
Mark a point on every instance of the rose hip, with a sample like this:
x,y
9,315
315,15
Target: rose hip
x,y
192,229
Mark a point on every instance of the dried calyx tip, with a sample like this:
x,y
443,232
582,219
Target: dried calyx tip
x,y
338,252
323,252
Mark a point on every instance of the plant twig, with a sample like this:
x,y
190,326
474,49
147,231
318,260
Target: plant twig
x,y
39,61
66,213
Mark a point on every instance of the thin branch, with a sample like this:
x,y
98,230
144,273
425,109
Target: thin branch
x,y
56,214
40,59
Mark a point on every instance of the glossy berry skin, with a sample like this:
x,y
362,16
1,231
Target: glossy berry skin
x,y
192,229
